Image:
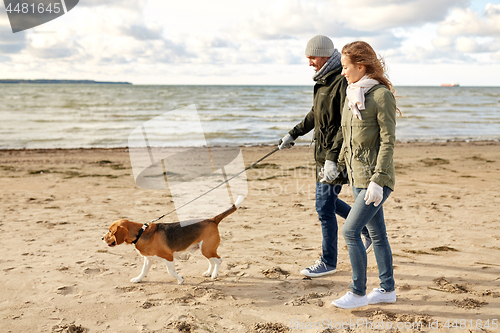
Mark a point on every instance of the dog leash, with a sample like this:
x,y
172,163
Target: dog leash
x,y
247,168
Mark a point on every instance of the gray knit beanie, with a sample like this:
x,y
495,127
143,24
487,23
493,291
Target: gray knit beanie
x,y
319,46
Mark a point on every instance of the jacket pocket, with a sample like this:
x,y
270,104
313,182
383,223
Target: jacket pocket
x,y
366,159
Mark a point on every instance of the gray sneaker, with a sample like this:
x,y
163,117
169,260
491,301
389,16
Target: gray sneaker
x,y
318,269
367,242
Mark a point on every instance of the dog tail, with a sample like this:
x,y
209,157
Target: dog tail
x,y
228,212
239,201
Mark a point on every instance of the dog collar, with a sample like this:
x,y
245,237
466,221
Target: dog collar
x,y
144,227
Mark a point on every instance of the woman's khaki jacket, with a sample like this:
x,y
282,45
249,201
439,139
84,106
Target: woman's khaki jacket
x,y
368,145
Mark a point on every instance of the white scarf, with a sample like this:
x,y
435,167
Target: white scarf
x,y
356,94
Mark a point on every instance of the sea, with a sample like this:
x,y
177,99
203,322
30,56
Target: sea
x,y
103,115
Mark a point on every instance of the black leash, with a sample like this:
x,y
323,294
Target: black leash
x,y
247,168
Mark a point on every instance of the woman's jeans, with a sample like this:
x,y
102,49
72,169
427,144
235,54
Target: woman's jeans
x,y
327,204
372,217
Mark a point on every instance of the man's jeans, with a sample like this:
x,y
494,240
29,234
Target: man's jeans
x,y
372,217
327,204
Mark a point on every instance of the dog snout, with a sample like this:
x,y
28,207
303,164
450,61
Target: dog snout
x,y
103,238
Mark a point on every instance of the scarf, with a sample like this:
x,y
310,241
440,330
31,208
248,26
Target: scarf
x,y
356,94
332,63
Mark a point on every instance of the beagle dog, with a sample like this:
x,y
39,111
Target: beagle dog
x,y
165,240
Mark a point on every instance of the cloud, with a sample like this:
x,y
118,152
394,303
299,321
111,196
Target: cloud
x,y
383,41
469,23
471,45
141,32
370,20
335,18
121,36
295,19
376,15
11,43
471,33
131,4
56,51
444,43
99,36
11,48
117,29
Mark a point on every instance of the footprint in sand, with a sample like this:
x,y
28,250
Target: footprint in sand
x,y
275,273
405,287
270,327
444,249
311,298
454,288
93,271
69,328
418,321
468,303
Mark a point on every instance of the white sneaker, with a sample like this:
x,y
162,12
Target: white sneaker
x,y
351,301
381,296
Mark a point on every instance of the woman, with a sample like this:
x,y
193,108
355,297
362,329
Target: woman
x,y
368,128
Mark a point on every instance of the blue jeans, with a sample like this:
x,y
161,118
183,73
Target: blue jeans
x,y
327,204
373,218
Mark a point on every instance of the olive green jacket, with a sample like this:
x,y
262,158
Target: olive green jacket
x,y
368,145
324,118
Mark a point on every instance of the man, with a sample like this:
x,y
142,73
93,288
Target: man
x,y
324,118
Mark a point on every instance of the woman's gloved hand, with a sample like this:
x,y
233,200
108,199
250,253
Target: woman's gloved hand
x,y
374,193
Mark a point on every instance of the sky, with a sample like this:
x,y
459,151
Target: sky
x,y
262,42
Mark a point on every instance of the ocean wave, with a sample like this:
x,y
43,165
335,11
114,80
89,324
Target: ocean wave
x,y
69,116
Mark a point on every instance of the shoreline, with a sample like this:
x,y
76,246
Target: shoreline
x,y
409,142
309,85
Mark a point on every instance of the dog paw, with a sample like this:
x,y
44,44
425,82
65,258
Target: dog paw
x,y
180,281
214,276
207,273
136,280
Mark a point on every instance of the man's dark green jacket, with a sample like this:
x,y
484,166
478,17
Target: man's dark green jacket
x,y
325,119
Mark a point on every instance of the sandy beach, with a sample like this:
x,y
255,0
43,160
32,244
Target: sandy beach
x,y
58,276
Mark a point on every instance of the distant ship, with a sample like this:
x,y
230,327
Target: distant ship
x,y
450,85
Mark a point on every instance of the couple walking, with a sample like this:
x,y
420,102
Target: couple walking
x,y
354,121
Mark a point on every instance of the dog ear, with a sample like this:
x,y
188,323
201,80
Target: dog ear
x,y
125,230
120,234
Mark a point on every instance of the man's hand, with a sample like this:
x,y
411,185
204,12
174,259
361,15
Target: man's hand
x,y
286,142
374,193
329,172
